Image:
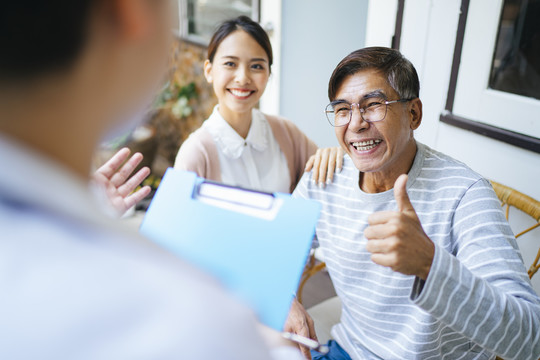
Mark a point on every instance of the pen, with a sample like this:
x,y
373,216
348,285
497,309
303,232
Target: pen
x,y
304,341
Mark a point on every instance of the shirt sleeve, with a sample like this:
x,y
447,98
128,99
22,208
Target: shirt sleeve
x,y
480,288
302,192
191,157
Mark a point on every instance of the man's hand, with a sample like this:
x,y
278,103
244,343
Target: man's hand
x,y
114,177
299,322
396,238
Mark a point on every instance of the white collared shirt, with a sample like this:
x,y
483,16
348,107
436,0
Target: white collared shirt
x,y
74,285
255,162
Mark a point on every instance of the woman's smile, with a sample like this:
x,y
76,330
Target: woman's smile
x,y
241,94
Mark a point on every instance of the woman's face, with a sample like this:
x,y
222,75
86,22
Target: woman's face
x,y
239,73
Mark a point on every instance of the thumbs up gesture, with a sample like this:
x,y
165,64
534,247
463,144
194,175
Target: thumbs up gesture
x,y
396,238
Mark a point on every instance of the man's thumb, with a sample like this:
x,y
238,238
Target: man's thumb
x,y
400,193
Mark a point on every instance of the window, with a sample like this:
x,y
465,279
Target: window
x,y
199,18
516,62
493,90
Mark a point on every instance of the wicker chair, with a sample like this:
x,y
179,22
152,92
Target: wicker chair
x,y
513,198
509,198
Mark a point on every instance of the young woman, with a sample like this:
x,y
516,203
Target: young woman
x,y
238,144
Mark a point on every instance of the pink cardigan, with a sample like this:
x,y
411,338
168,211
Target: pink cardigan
x,y
199,153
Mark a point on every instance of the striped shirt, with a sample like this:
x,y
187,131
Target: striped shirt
x,y
477,300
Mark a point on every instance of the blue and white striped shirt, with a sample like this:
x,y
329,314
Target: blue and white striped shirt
x,y
477,300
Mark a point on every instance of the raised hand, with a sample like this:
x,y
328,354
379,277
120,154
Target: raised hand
x,y
324,164
114,177
396,238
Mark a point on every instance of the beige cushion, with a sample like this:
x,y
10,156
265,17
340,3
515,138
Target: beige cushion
x,y
325,315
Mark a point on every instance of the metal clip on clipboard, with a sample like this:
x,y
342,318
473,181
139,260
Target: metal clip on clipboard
x,y
245,201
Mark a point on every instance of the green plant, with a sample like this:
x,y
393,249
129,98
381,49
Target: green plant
x,y
177,99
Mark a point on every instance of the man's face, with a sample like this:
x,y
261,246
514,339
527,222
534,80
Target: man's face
x,y
377,146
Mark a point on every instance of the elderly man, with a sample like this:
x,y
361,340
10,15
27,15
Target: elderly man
x,y
416,244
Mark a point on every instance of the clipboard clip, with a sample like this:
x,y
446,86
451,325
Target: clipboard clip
x,y
246,201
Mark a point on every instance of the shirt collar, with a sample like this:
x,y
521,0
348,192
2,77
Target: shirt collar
x,y
31,179
231,144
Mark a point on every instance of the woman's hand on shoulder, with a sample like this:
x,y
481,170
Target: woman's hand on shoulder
x,y
324,164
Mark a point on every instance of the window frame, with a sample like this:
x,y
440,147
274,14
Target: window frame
x,y
183,31
452,117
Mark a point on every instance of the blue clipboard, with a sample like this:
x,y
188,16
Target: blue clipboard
x,y
255,243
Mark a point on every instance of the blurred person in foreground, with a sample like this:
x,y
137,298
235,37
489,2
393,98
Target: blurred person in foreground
x,y
73,285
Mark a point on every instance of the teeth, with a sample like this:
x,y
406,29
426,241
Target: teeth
x,y
240,93
366,145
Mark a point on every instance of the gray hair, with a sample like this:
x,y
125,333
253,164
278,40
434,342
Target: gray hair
x,y
398,70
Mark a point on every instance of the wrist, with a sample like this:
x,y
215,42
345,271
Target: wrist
x,y
424,271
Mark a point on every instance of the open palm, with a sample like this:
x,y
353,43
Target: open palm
x,y
114,177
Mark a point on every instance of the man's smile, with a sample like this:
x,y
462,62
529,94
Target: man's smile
x,y
365,145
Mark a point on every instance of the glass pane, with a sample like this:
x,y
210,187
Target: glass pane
x,y
516,62
205,15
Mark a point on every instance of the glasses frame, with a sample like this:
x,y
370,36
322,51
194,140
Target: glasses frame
x,y
362,110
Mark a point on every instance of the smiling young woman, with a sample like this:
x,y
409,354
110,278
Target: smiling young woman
x,y
238,144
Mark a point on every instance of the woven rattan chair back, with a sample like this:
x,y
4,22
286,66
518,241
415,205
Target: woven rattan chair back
x,y
513,198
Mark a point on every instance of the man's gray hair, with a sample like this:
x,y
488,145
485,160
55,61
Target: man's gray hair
x,y
398,70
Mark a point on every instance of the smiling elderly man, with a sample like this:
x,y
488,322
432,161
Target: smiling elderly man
x,y
425,264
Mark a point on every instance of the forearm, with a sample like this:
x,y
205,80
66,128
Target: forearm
x,y
490,316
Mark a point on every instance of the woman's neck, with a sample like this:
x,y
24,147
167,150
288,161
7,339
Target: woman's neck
x,y
239,121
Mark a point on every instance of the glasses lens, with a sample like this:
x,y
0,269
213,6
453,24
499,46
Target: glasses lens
x,y
338,114
375,112
330,115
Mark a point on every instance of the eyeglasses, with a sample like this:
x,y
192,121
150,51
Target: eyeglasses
x,y
339,112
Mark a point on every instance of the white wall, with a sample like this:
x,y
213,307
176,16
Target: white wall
x,y
428,38
271,21
379,28
315,36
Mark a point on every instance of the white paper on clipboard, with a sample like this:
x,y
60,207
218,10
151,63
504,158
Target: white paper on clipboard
x,y
248,202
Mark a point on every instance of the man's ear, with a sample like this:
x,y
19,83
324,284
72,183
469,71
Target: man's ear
x,y
133,18
416,113
208,71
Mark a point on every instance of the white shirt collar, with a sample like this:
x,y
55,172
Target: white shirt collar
x,y
228,140
31,179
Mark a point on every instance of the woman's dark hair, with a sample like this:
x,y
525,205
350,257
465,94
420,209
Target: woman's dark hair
x,y
40,36
399,72
240,23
